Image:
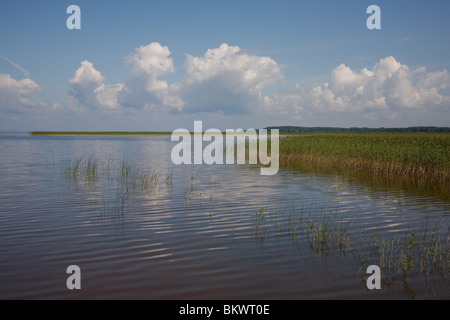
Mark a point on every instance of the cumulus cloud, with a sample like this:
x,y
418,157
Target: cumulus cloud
x,y
388,88
144,88
226,79
89,89
15,94
149,62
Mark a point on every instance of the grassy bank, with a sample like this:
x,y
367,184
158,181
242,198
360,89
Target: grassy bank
x,y
93,133
422,156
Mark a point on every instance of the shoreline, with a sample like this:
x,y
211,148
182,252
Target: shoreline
x,y
97,134
123,134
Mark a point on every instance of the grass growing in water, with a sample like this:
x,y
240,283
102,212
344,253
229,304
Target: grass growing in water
x,y
422,156
425,253
323,232
80,168
126,180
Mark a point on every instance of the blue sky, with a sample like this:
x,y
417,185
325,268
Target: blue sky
x,y
160,65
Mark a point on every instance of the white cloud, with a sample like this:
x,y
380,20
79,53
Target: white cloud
x,y
144,88
15,94
89,89
226,83
149,62
387,90
226,80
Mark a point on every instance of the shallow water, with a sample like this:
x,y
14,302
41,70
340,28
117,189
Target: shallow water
x,y
194,232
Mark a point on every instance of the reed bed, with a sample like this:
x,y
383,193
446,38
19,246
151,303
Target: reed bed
x,y
421,156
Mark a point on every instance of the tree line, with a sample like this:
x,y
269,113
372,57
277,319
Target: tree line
x,y
294,129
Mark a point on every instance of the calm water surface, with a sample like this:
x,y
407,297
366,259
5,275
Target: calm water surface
x,y
194,232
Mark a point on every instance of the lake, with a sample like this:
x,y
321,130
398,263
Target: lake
x,y
140,227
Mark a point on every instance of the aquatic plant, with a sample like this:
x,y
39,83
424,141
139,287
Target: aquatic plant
x,y
423,252
421,156
126,179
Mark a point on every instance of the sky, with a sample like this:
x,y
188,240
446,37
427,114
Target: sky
x,y
160,65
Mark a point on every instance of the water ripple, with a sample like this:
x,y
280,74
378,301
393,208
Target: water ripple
x,y
209,232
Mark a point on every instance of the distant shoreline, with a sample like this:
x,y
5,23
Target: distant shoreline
x,y
118,134
283,131
97,134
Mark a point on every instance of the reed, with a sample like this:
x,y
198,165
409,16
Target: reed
x,y
421,156
426,255
83,168
126,179
323,232
424,252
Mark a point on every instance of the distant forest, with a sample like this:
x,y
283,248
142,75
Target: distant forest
x,y
291,129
